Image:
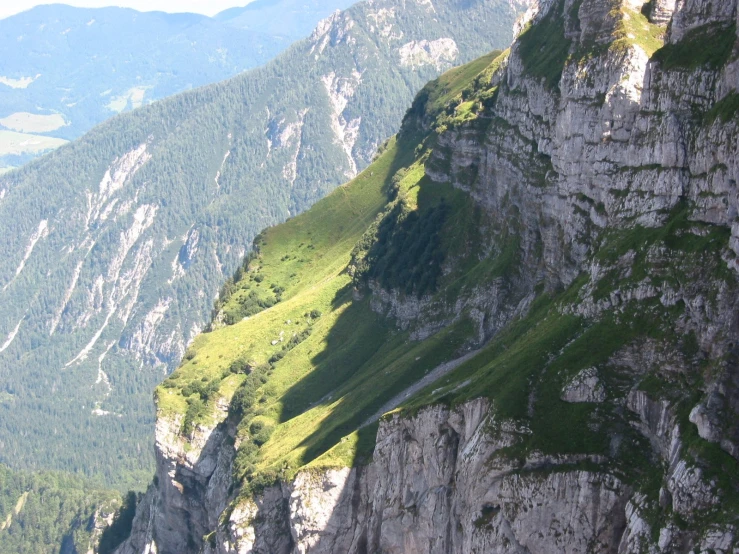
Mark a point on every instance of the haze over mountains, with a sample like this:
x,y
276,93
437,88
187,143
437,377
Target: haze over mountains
x,y
128,233
65,69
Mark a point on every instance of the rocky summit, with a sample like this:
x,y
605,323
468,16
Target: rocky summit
x,y
516,331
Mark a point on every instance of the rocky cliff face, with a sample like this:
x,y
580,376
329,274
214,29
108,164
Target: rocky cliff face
x,y
431,488
595,130
437,483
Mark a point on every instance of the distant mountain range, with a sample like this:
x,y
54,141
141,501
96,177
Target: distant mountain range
x,y
281,18
66,69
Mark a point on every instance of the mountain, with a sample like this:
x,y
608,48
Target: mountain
x,y
115,246
515,331
292,19
66,69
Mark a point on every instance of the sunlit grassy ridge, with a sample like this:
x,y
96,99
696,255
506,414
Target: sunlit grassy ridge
x,y
307,255
635,28
327,385
305,374
444,90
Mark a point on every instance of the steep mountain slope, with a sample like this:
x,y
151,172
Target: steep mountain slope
x,y
536,283
115,246
66,69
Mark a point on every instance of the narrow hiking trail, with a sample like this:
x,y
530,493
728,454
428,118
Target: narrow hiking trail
x,y
437,373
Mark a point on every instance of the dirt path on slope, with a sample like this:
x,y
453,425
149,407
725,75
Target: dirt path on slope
x,y
437,373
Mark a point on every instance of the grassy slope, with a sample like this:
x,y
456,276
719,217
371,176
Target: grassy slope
x,y
451,84
323,389
317,396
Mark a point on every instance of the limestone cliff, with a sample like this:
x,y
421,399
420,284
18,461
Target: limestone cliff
x,y
605,142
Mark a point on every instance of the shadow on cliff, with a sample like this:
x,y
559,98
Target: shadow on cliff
x,y
349,360
361,364
118,531
352,380
350,348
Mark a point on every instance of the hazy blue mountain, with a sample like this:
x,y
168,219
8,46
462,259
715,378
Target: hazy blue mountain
x,y
283,18
65,69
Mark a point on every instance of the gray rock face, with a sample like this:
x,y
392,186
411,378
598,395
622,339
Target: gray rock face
x,y
439,482
617,144
430,489
608,149
584,387
436,485
620,142
191,488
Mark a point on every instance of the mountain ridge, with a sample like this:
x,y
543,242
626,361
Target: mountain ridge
x,y
80,66
270,16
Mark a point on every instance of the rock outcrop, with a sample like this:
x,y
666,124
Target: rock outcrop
x,y
432,489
